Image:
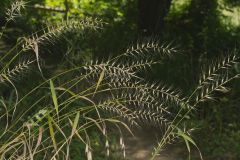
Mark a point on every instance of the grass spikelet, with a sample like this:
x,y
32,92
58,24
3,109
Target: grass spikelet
x,y
19,69
15,9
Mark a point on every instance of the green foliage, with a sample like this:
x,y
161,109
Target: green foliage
x,y
89,90
92,94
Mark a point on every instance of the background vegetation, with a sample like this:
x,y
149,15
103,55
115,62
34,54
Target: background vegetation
x,y
201,29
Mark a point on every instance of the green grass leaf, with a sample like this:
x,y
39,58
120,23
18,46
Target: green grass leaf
x,y
188,140
54,97
51,130
100,80
75,123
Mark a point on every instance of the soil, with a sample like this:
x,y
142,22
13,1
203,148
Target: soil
x,y
141,145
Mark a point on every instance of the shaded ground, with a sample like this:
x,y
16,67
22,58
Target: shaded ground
x,y
141,146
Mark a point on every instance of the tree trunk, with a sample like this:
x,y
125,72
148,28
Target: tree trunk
x,y
151,15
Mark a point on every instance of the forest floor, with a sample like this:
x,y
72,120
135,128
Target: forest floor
x,y
141,145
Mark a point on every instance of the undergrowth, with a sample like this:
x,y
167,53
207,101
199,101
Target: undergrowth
x,y
64,109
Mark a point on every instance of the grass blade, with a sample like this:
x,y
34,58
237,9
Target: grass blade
x,y
75,123
100,80
54,97
51,130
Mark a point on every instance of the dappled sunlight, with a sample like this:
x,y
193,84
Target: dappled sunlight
x,y
230,17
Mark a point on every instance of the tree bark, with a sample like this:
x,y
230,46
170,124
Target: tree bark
x,y
66,9
151,15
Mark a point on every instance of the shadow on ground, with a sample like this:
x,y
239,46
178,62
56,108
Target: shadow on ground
x,y
142,144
